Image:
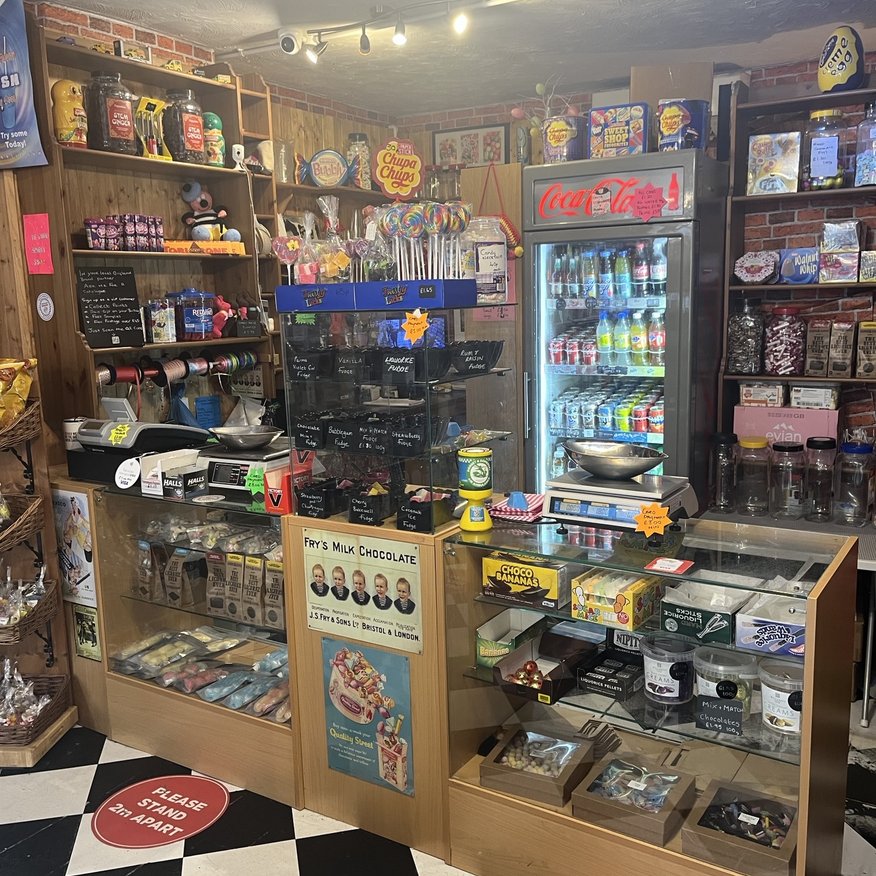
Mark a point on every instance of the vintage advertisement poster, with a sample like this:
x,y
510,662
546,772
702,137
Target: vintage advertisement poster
x,y
75,557
19,136
367,589
368,726
86,632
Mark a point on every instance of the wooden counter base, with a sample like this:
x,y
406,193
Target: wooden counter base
x,y
239,749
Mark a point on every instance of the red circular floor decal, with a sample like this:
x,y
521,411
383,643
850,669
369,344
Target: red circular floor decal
x,y
159,811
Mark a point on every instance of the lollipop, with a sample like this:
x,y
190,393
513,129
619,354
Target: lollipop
x,y
286,250
413,228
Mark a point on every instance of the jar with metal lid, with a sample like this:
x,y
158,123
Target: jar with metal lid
x,y
451,183
109,106
359,147
724,472
824,151
820,459
194,314
784,342
753,476
183,124
745,340
853,483
865,149
787,472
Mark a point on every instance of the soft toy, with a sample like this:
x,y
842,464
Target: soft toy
x,y
204,221
224,311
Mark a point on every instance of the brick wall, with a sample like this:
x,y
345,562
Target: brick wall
x,y
794,74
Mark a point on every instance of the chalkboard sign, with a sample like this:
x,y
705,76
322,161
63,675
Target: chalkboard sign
x,y
109,309
342,434
350,365
310,435
366,510
312,503
719,715
399,367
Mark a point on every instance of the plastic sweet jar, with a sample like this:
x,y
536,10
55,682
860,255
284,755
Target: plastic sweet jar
x,y
824,151
787,474
853,483
669,670
726,675
745,340
865,149
818,492
109,106
781,690
359,147
753,476
183,124
432,183
723,474
451,183
485,255
194,314
784,342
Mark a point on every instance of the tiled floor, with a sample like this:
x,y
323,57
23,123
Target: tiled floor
x,y
46,812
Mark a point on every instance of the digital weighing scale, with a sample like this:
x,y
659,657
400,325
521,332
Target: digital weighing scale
x,y
227,470
581,498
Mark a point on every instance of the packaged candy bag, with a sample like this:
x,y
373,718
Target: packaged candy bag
x,y
335,262
307,266
16,377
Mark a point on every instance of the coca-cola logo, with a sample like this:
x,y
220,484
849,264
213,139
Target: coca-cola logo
x,y
614,192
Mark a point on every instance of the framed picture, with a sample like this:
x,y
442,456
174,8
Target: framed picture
x,y
87,632
473,147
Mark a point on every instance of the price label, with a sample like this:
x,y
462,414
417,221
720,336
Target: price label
x,y
670,565
637,786
652,519
749,819
415,325
119,433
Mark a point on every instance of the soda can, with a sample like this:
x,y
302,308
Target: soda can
x,y
588,353
589,414
655,417
605,416
573,416
573,351
557,415
557,351
623,416
640,417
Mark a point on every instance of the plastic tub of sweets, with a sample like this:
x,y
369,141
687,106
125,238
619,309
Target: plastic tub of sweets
x,y
781,689
726,675
669,671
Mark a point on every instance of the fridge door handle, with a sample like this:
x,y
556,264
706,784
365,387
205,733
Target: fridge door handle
x,y
526,413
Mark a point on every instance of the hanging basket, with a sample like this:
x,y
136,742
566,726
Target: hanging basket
x,y
25,428
58,688
38,617
27,519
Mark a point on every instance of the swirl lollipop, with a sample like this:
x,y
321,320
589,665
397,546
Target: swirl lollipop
x,y
413,227
286,250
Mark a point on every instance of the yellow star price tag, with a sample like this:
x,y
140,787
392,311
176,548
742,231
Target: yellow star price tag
x,y
652,519
415,325
119,433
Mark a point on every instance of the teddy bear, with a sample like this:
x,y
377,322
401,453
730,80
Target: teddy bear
x,y
204,221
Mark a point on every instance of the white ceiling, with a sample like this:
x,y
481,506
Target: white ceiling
x,y
508,48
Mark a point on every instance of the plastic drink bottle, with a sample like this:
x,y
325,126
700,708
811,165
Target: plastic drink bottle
x,y
623,277
639,340
622,339
558,464
641,270
657,339
659,266
606,275
604,338
588,273
572,278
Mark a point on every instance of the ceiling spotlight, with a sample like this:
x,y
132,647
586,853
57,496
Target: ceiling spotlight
x,y
460,23
364,43
399,37
314,51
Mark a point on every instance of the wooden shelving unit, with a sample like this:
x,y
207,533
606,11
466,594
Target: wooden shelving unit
x,y
132,254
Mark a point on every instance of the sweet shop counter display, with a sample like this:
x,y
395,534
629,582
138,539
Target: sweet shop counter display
x,y
670,691
194,607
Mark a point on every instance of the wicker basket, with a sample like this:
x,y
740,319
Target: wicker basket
x,y
27,426
58,687
27,519
42,613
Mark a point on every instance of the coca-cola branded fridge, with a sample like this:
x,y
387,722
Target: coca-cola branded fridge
x,y
624,260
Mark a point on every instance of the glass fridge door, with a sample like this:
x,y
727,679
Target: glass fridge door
x,y
610,342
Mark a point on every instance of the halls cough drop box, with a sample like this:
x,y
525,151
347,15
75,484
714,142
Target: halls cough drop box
x,y
526,582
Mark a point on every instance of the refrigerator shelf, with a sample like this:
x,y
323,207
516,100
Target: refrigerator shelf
x,y
609,370
629,437
613,305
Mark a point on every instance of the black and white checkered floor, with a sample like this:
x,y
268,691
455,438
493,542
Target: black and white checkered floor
x,y
46,812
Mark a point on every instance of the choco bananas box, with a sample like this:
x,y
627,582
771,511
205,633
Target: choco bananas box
x,y
525,582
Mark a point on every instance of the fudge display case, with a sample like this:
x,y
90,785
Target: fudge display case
x,y
723,756
387,383
193,600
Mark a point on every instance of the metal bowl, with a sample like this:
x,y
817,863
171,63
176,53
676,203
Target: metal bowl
x,y
246,437
613,460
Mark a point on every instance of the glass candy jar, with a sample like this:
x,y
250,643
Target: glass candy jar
x,y
823,159
784,342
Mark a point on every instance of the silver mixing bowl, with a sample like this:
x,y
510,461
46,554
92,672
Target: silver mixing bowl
x,y
613,460
246,437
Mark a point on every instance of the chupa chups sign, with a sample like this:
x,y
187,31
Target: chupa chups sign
x,y
653,194
398,169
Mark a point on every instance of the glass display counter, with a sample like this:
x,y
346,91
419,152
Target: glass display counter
x,y
679,703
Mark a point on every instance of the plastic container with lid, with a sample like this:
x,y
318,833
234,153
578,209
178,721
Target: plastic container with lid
x,y
853,483
109,106
781,689
726,675
784,342
183,124
745,340
724,472
359,147
669,671
485,257
823,161
818,490
865,150
787,474
753,476
194,314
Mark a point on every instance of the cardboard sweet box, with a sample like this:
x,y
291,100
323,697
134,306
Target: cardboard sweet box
x,y
539,766
615,599
716,622
772,624
636,796
525,582
612,677
544,668
740,824
501,635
